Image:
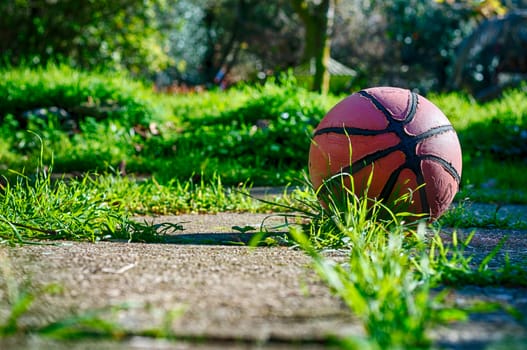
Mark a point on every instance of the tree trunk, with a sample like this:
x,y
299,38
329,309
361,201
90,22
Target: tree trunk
x,y
318,24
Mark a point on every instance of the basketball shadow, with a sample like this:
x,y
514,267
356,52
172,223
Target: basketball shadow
x,y
225,239
229,229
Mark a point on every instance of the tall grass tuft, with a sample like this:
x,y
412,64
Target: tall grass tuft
x,y
39,206
35,208
389,268
377,280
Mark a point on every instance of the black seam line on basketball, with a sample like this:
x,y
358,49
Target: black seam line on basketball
x,y
425,207
411,112
392,180
348,131
432,132
369,159
390,184
377,104
413,108
446,165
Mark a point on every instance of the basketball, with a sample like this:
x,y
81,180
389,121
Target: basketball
x,y
392,142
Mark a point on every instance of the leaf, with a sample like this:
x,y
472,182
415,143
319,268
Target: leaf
x,y
243,229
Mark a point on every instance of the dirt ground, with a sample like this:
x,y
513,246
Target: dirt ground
x,y
218,294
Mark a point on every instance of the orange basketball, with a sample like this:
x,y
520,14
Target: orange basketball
x,y
399,137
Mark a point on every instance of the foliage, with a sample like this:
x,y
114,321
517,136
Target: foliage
x,y
404,43
218,42
71,95
64,106
490,59
271,129
425,34
390,268
87,34
185,40
99,207
240,135
492,137
259,134
413,44
376,280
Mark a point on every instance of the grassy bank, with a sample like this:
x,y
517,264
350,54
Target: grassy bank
x,y
255,134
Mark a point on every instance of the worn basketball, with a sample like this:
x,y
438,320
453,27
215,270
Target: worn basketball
x,y
400,139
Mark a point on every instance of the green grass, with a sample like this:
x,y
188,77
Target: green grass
x,y
377,281
97,94
462,215
392,270
35,208
258,134
40,207
97,208
488,180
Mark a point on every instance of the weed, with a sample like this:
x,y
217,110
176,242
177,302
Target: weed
x,y
175,197
391,268
452,266
100,207
37,208
462,215
378,283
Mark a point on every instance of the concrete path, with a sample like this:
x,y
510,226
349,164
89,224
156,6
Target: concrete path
x,y
226,296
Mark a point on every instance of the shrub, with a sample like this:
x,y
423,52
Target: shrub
x,y
255,133
72,95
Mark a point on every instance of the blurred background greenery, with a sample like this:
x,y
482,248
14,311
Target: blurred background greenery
x,y
409,43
